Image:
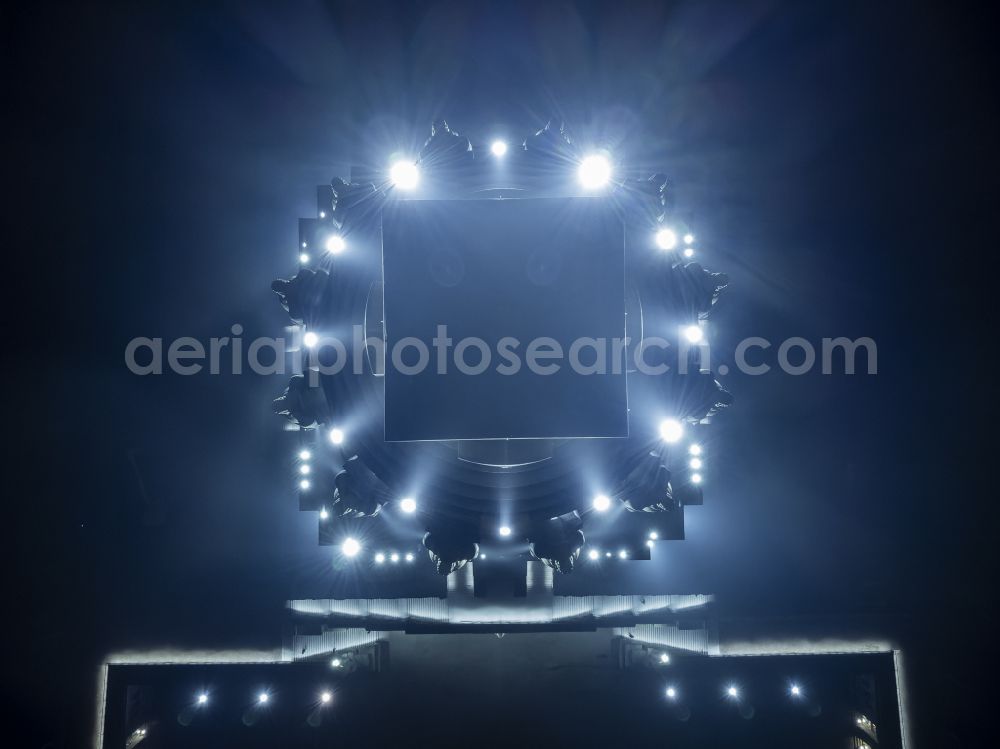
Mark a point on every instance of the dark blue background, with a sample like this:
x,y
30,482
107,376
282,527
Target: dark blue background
x,y
839,161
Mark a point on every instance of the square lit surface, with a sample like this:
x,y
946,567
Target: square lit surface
x,y
499,270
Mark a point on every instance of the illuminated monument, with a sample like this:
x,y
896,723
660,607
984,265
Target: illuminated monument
x,y
502,380
533,380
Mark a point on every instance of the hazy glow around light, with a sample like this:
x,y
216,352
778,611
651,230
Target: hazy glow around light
x,y
379,558
304,469
666,239
409,557
303,258
323,514
602,503
325,697
404,175
504,531
498,148
304,455
263,697
795,690
304,484
695,478
732,691
202,698
335,244
593,555
335,663
350,547
688,238
688,252
653,535
594,171
671,430
664,658
695,463
671,693
695,449
408,505
394,557
694,333
623,554
336,436
310,339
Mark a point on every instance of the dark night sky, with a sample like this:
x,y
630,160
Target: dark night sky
x,y
839,161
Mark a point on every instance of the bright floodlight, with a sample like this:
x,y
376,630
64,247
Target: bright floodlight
x,y
304,455
732,691
303,258
695,478
336,436
335,663
350,547
671,430
408,505
653,535
689,252
504,530
202,698
693,333
498,148
623,554
304,469
323,514
325,697
601,503
335,244
664,658
409,557
594,172
304,484
404,175
263,697
695,449
380,558
394,558
666,239
695,463
688,238
795,690
310,339
593,555
671,693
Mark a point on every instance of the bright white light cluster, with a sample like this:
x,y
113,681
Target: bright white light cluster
x,y
667,240
408,505
594,554
404,174
350,547
335,244
594,171
671,430
304,470
393,557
